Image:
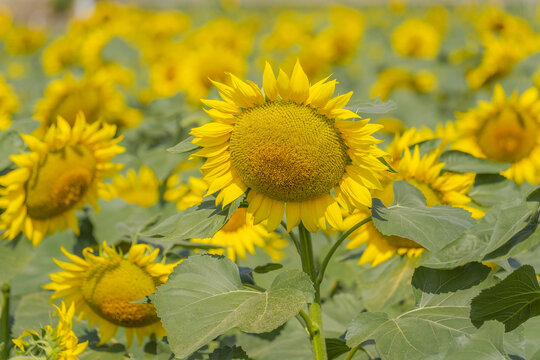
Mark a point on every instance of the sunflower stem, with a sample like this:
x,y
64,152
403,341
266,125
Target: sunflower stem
x,y
4,325
333,249
308,265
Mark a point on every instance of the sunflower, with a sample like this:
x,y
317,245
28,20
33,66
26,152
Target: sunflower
x,y
184,195
64,171
239,236
507,129
58,343
393,78
8,104
416,38
423,172
290,149
103,287
95,96
141,189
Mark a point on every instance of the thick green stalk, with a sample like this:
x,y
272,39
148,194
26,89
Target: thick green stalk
x,y
308,265
4,325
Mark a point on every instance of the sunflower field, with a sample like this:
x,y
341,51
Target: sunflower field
x,y
246,180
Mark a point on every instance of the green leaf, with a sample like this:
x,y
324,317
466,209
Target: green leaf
x,y
198,222
486,344
499,226
442,281
184,146
491,189
534,195
512,301
437,324
33,311
335,347
461,162
409,217
14,256
426,146
337,313
263,269
204,297
228,353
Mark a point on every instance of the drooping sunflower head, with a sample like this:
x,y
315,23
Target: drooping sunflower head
x,y
423,172
291,147
64,171
507,129
103,287
55,343
239,236
96,98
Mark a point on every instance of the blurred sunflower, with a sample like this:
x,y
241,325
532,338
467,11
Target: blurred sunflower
x,y
239,236
416,38
184,195
423,172
103,287
94,96
291,149
392,78
64,172
8,104
59,343
141,189
507,129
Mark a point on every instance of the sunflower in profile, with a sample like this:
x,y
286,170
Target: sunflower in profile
x,y
59,343
239,236
507,129
63,172
423,172
103,287
290,149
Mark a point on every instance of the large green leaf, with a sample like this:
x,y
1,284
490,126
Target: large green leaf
x,y
491,189
196,222
409,217
33,311
512,301
442,281
433,327
500,226
486,344
204,298
14,256
462,162
185,146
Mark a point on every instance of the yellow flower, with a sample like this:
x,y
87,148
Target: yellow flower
x,y
506,129
141,189
21,40
425,174
290,149
8,104
185,195
58,343
95,96
393,78
103,287
240,236
416,38
60,54
64,172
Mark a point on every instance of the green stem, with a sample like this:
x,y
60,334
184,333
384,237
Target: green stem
x,y
308,265
320,275
293,238
351,353
307,322
4,325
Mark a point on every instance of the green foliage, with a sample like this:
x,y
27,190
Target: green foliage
x,y
512,301
486,344
436,281
426,146
228,353
185,146
263,269
409,217
488,236
14,255
458,161
204,298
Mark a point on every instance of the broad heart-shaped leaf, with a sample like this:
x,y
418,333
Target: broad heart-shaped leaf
x,y
512,301
486,344
491,189
204,298
201,221
409,217
14,255
436,325
184,146
442,281
504,224
461,162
